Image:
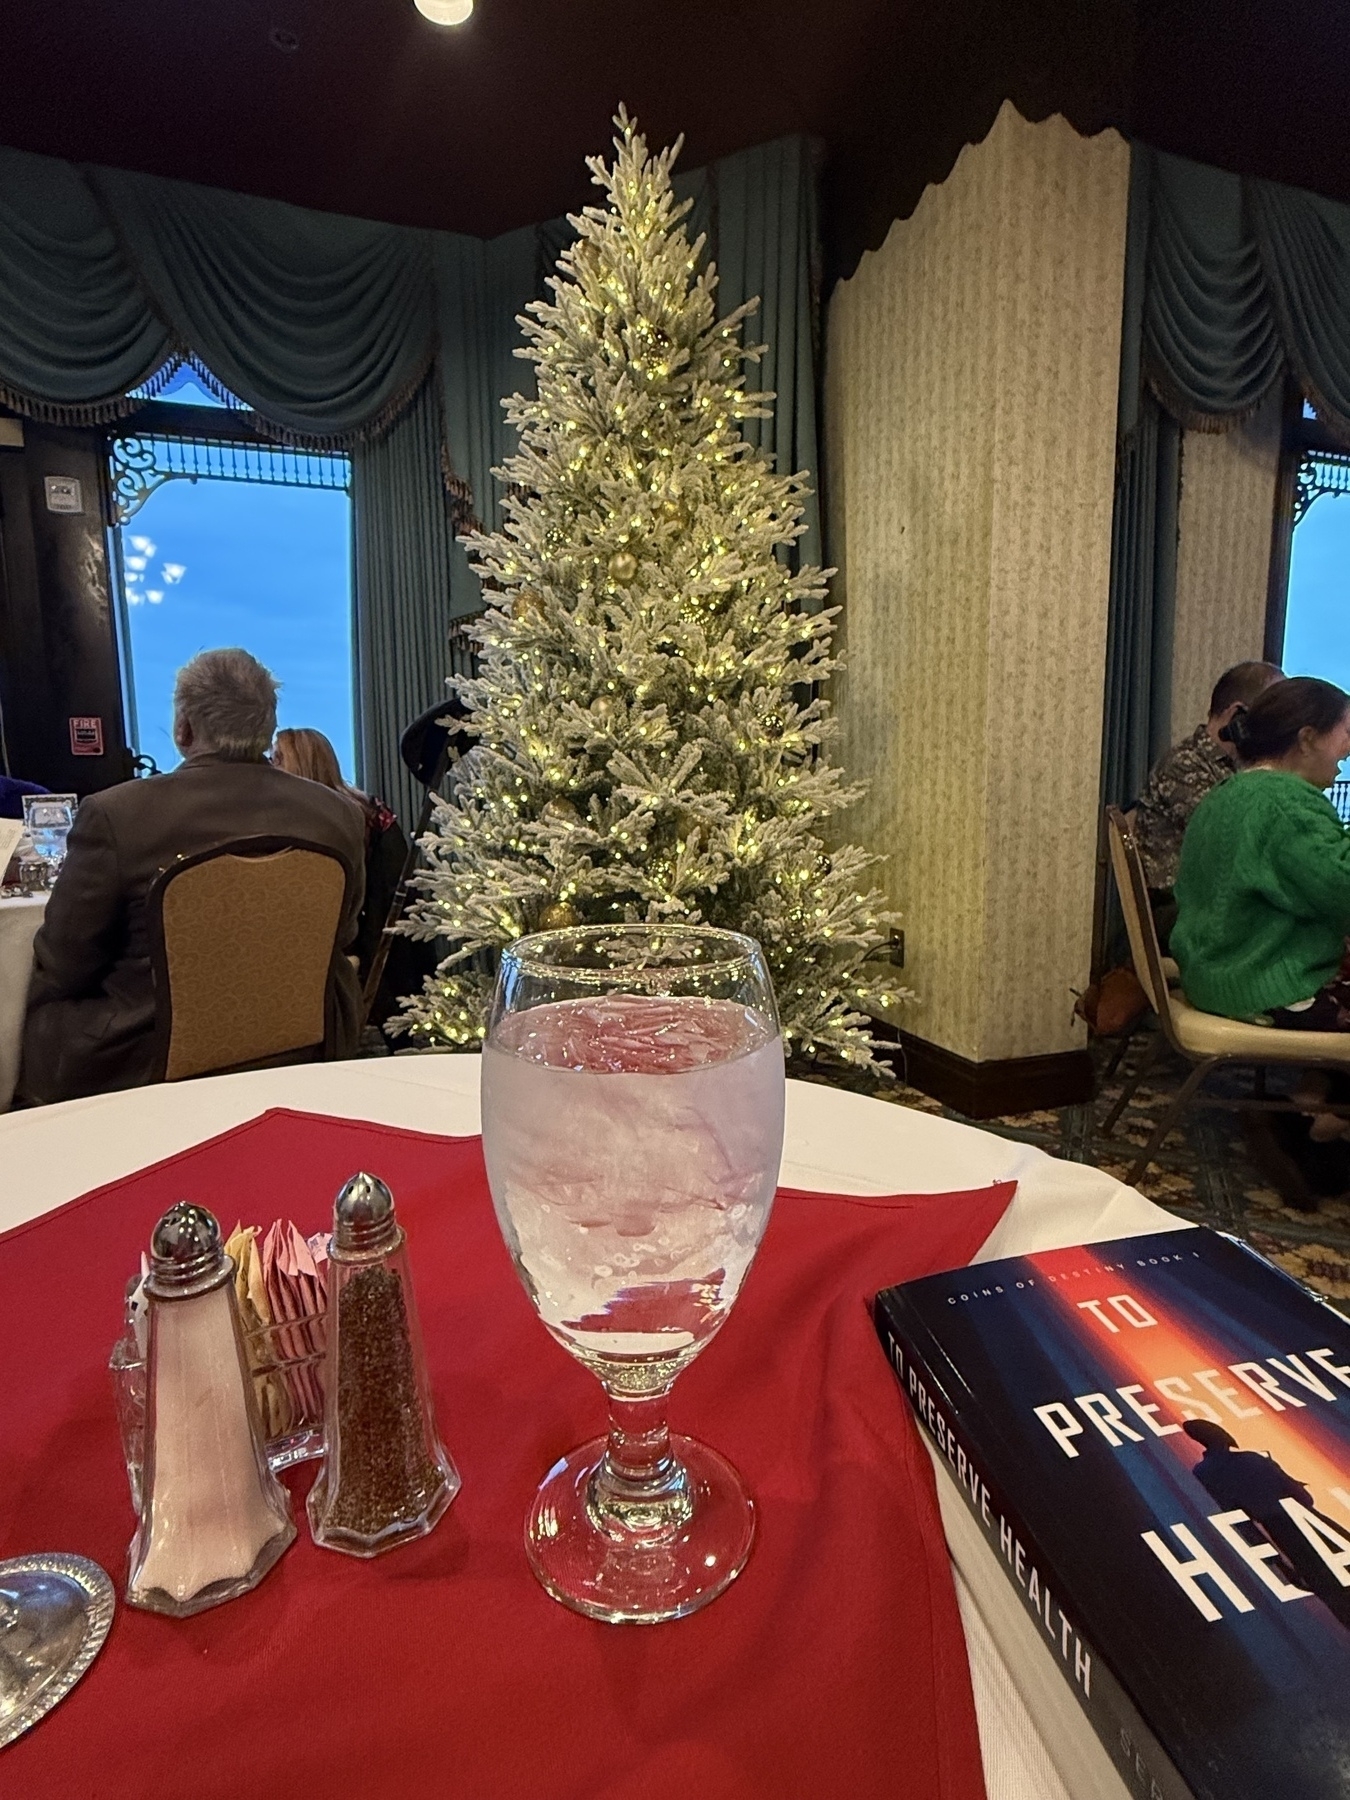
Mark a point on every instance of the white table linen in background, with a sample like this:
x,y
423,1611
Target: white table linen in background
x,y
836,1142
19,921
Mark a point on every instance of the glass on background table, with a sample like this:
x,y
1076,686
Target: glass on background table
x,y
47,819
632,1096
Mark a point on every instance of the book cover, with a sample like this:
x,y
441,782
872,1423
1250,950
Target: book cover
x,y
1154,1435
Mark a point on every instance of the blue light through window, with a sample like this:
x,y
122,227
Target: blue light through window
x,y
1317,622
211,563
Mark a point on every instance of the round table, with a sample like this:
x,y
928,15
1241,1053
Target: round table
x,y
835,1142
20,916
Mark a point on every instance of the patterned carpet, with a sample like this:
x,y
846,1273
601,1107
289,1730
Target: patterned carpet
x,y
1203,1173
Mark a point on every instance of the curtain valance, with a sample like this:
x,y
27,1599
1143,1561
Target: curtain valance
x,y
1244,279
1229,283
76,330
1212,347
326,326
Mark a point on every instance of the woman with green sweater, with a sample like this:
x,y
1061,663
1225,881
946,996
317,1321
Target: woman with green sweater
x,y
1263,891
1263,906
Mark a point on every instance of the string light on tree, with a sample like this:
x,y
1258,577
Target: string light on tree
x,y
643,749
558,917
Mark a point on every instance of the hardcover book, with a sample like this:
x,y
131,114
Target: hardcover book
x,y
1153,1434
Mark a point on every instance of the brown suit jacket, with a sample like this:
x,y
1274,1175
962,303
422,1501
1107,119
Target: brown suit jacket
x,y
91,1006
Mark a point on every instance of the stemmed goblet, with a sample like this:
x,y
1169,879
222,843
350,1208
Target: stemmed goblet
x,y
633,1127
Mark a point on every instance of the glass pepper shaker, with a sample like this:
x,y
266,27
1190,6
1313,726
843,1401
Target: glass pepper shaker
x,y
386,1476
213,1517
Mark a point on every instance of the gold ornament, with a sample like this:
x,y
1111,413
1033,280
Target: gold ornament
x,y
622,567
602,707
675,511
563,811
559,916
527,601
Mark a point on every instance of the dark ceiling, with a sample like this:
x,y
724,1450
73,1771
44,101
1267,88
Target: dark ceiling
x,y
361,106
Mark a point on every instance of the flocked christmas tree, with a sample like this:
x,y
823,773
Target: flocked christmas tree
x,y
648,747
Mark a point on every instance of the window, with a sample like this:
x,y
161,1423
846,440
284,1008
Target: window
x,y
1317,618
222,538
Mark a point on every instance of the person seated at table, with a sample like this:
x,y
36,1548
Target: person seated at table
x,y
300,750
1182,777
12,791
91,1005
1263,891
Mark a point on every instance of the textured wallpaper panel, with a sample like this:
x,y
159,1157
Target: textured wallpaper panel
x,y
1223,556
970,421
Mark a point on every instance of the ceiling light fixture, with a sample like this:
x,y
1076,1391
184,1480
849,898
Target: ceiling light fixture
x,y
444,12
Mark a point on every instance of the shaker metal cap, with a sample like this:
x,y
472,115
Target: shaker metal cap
x,y
363,1217
186,1253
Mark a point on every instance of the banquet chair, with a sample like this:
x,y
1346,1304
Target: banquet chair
x,y
1128,1038
1205,1040
242,940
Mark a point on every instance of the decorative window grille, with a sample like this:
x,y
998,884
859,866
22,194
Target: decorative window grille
x,y
1320,472
142,463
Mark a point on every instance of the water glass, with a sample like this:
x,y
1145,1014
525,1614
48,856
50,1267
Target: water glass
x,y
632,1093
47,819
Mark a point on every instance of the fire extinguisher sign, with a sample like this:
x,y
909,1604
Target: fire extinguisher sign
x,y
86,737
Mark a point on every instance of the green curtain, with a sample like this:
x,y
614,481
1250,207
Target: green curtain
x,y
323,324
1141,610
766,241
481,289
1245,279
1212,347
402,548
1304,243
466,390
76,330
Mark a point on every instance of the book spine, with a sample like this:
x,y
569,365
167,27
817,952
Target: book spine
x,y
1135,1752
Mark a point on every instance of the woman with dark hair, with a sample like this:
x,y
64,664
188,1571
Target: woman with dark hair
x,y
1263,892
1263,896
307,753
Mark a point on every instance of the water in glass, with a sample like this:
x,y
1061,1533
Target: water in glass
x,y
632,1127
635,1182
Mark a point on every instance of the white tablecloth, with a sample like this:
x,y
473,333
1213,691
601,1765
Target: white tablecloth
x,y
19,921
838,1142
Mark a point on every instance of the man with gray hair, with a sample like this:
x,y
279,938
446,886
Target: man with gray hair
x,y
91,1006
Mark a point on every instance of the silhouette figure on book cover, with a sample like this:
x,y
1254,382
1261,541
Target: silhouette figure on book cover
x,y
1252,1482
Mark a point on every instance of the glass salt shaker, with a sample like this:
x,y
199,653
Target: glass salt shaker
x,y
386,1476
213,1517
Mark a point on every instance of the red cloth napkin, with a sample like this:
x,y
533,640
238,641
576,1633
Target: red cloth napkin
x,y
835,1666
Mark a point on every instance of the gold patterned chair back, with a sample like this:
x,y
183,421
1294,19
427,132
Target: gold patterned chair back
x,y
242,945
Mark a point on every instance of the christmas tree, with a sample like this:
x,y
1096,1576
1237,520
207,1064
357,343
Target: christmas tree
x,y
649,746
